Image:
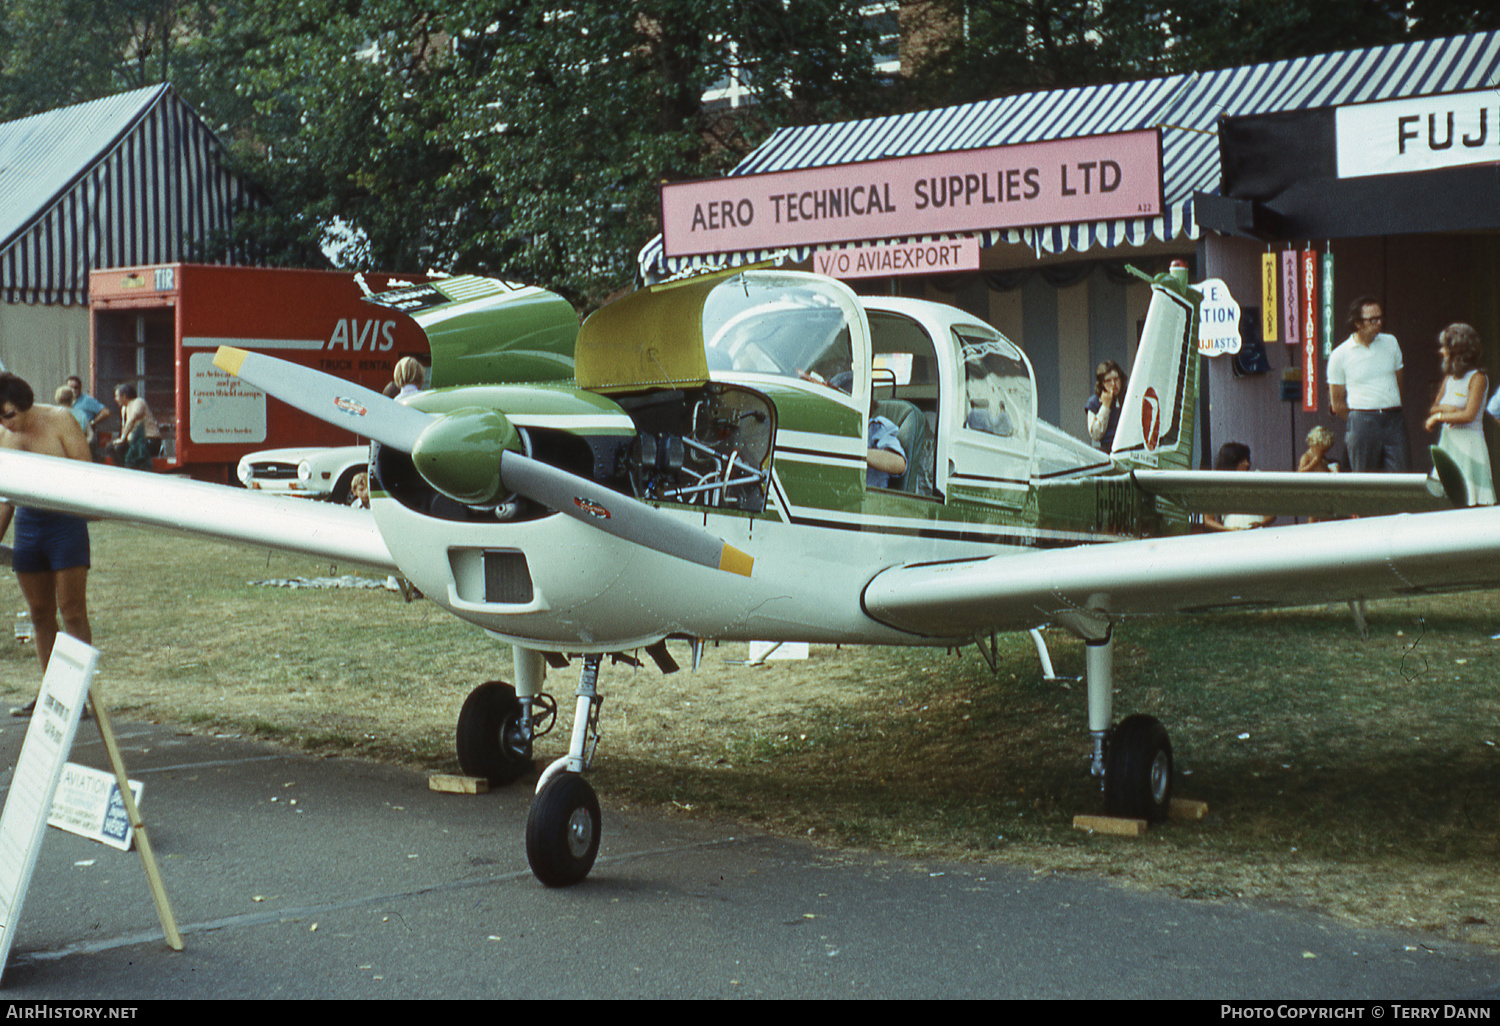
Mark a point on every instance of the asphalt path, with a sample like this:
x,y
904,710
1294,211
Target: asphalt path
x,y
298,877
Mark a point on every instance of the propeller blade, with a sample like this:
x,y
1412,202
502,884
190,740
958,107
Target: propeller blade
x,y
619,515
468,455
341,403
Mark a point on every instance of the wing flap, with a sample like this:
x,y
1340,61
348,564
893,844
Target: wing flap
x,y
194,507
1292,494
1379,557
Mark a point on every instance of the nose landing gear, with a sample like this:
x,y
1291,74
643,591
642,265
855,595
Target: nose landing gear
x,y
562,831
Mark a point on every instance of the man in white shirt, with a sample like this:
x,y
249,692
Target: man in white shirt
x,y
1364,387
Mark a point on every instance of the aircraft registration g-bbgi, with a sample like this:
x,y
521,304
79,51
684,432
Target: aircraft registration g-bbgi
x,y
690,464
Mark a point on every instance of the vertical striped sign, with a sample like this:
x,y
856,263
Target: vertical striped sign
x,y
1309,331
1268,303
1328,328
1291,313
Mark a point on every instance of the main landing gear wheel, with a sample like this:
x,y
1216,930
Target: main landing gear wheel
x,y
489,741
1138,770
562,832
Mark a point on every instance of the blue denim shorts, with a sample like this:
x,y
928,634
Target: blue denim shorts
x,y
49,541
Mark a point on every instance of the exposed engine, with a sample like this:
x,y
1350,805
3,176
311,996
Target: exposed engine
x,y
708,446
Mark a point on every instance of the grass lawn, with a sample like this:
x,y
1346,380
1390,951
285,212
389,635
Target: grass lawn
x,y
1360,777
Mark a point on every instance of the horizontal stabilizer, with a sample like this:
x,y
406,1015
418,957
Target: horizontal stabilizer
x,y
487,331
1294,495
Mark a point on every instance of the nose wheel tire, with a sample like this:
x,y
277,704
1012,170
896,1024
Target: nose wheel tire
x,y
562,831
489,740
1138,770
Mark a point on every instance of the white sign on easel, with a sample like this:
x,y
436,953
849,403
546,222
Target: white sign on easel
x,y
49,738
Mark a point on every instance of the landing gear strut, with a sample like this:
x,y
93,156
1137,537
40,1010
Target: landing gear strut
x,y
498,723
1132,760
562,831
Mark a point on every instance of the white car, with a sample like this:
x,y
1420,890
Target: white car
x,y
307,471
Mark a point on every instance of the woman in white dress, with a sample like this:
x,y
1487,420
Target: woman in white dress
x,y
1459,408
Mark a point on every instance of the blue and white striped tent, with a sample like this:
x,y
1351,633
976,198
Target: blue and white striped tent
x,y
1185,108
130,179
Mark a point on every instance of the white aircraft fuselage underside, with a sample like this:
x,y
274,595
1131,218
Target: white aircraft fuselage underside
x,y
591,592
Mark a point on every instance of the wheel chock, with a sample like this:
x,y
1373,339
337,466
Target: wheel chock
x,y
1110,825
1187,808
450,783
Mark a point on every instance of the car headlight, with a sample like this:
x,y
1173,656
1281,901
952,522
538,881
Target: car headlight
x,y
304,471
244,473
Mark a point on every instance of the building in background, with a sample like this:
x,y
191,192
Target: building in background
x,y
1059,287
122,181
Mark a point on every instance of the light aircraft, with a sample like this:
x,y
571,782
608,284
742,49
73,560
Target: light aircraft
x,y
690,463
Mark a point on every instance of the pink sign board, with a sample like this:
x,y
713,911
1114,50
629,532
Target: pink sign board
x,y
1063,181
939,257
1291,304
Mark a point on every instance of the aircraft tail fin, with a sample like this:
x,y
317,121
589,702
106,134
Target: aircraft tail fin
x,y
1161,401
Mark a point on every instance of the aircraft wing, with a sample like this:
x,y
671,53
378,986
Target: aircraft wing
x,y
195,507
1377,557
1294,495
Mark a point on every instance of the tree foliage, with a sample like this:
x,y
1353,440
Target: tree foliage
x,y
530,138
986,48
520,139
57,52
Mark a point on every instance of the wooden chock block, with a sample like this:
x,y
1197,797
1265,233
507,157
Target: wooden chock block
x,y
1110,825
1187,808
449,783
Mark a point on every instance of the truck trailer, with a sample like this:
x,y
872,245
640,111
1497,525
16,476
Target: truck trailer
x,y
157,327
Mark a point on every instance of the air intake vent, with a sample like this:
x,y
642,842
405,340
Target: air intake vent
x,y
507,579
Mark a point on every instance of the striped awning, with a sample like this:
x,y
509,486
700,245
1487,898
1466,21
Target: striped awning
x,y
1185,107
122,181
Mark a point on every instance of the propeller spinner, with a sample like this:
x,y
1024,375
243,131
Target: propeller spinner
x,y
472,456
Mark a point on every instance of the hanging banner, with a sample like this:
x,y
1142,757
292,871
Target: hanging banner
x,y
1291,313
1309,331
1268,297
1328,326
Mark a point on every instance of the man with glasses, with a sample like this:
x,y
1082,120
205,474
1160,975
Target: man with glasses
x,y
1364,387
51,551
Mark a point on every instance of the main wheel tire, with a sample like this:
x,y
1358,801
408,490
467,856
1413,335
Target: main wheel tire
x,y
1138,770
562,831
488,739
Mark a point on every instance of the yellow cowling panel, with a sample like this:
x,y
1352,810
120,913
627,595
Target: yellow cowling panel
x,y
652,338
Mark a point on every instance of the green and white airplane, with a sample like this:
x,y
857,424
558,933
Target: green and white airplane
x,y
691,463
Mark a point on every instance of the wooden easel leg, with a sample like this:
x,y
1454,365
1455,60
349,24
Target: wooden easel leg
x,y
138,828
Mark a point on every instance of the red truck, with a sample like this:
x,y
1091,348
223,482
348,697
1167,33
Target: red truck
x,y
158,327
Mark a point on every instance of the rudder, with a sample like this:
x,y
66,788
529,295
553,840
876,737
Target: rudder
x,y
1158,413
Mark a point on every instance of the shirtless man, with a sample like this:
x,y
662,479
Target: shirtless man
x,y
51,555
135,415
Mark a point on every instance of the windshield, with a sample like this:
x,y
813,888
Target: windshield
x,y
772,325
